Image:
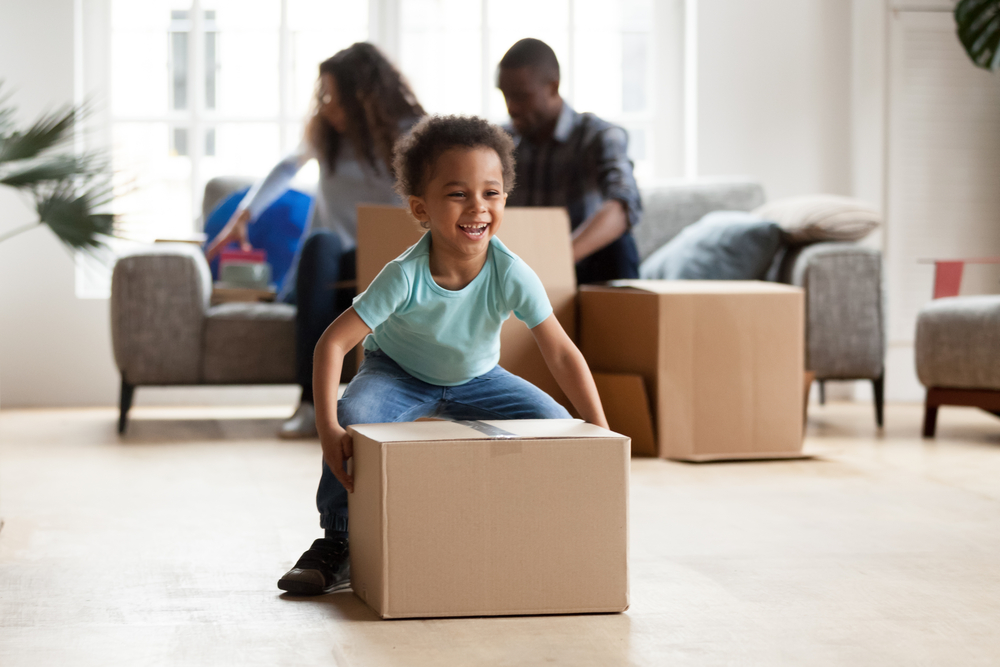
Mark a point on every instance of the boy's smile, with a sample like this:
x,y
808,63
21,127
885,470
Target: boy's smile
x,y
463,203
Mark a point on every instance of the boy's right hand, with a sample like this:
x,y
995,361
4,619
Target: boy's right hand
x,y
338,447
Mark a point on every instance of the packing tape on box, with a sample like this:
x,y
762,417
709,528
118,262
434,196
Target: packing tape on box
x,y
487,429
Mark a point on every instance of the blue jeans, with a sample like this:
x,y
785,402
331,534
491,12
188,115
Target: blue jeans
x,y
383,392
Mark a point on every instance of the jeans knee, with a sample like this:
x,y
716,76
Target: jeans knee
x,y
553,410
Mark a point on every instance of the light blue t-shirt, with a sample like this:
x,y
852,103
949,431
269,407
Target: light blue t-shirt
x,y
447,337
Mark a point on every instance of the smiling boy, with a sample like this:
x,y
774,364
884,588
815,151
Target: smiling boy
x,y
430,322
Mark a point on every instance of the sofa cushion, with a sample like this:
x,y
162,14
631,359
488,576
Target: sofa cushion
x,y
723,245
668,208
250,343
958,343
812,218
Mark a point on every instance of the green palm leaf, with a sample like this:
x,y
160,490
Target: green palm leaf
x,y
47,132
70,215
979,31
68,189
56,168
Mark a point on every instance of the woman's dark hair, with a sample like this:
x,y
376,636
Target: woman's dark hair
x,y
376,99
416,152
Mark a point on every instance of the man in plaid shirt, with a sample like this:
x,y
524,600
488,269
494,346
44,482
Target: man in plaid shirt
x,y
569,159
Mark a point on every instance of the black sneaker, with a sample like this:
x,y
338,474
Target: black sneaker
x,y
324,568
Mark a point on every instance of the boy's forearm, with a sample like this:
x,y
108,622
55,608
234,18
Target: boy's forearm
x,y
339,339
573,375
327,364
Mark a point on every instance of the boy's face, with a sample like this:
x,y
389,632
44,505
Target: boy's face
x,y
463,201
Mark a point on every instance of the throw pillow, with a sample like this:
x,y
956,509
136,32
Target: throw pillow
x,y
723,245
813,218
277,230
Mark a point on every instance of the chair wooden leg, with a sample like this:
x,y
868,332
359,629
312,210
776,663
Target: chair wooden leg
x,y
930,419
127,391
878,389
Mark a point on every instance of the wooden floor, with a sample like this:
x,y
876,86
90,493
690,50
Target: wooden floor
x,y
163,548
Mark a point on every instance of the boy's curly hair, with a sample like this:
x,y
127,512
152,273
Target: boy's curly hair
x,y
415,153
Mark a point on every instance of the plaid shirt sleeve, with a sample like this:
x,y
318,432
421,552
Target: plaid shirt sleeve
x,y
614,171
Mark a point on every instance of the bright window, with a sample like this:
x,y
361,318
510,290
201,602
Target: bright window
x,y
192,89
208,88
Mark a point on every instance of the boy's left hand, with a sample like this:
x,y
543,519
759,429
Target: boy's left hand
x,y
337,449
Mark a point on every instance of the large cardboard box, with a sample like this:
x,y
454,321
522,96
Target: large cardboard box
x,y
721,363
540,236
489,518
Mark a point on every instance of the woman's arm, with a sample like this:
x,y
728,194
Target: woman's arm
x,y
263,193
339,339
570,370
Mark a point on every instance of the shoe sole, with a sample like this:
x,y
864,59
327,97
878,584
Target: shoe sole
x,y
304,589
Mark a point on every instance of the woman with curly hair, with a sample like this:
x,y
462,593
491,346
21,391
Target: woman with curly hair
x,y
363,104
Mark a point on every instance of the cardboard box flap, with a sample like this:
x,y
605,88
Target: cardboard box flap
x,y
427,431
704,286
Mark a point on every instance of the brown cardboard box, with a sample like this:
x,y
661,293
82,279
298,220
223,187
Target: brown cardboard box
x,y
721,361
539,236
489,518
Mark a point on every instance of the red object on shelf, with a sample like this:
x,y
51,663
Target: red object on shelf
x,y
255,256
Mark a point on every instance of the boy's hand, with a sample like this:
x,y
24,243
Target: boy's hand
x,y
338,447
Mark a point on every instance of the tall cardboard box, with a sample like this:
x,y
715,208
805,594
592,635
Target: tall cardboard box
x,y
489,518
538,235
721,362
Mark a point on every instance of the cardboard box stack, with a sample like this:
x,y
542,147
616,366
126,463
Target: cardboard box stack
x,y
718,363
489,518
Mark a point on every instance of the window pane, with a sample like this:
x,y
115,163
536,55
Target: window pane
x,y
612,57
140,44
178,70
635,55
153,193
246,53
320,28
211,65
210,142
441,52
242,149
179,142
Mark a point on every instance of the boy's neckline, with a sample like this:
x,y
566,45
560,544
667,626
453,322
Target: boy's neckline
x,y
448,290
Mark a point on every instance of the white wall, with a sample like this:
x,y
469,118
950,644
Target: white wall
x,y
774,93
55,349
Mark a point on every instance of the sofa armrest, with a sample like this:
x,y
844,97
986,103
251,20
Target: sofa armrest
x,y
159,297
845,323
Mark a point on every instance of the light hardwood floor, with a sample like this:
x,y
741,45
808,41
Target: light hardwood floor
x,y
163,548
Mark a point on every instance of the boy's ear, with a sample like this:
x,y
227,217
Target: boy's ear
x,y
418,208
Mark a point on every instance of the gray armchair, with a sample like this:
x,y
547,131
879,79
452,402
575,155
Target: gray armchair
x,y
165,331
845,331
957,350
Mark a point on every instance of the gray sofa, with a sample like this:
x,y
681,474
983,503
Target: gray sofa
x,y
845,330
165,332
